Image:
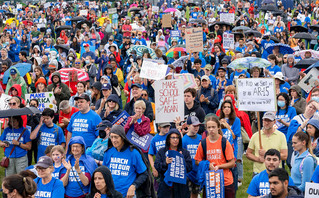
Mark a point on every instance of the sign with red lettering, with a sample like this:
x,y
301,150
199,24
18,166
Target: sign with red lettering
x,y
169,100
153,70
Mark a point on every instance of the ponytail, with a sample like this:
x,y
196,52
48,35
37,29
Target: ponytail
x,y
304,136
25,186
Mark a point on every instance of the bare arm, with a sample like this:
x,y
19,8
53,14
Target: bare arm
x,y
283,154
251,156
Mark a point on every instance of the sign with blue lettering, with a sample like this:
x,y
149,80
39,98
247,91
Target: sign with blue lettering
x,y
215,184
121,119
175,33
177,169
45,100
142,142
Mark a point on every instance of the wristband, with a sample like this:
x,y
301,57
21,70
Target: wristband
x,y
19,143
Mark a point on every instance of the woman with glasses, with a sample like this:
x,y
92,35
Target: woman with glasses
x,y
78,169
47,186
81,88
11,141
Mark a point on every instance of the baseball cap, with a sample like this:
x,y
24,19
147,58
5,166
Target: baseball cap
x,y
208,67
44,162
82,96
225,60
106,86
105,124
193,120
114,98
136,85
164,124
86,45
13,71
110,39
205,77
269,115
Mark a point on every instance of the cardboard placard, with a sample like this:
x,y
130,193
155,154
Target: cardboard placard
x,y
167,20
228,41
4,101
227,17
308,82
215,184
142,142
45,100
112,10
256,94
169,95
152,70
194,39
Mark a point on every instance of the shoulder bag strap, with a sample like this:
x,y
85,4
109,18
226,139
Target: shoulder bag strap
x,y
18,141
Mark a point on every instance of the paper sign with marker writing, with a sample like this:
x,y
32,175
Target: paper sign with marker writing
x,y
227,17
155,8
228,41
83,12
194,39
4,101
256,94
215,184
112,10
169,100
142,142
308,82
167,20
45,100
152,70
312,190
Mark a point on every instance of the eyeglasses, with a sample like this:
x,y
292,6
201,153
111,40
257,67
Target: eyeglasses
x,y
144,94
12,104
40,168
13,89
174,138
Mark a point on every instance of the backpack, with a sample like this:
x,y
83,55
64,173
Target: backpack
x,y
315,161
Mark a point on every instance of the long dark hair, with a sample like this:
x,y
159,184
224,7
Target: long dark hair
x,y
19,119
25,186
287,101
232,115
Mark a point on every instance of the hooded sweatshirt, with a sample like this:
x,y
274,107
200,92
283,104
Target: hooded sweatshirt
x,y
300,103
64,37
95,36
197,111
111,192
18,80
65,92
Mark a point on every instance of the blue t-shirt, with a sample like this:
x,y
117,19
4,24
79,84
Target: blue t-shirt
x,y
49,136
124,167
274,70
315,176
84,125
228,135
287,117
54,188
236,128
56,172
236,74
241,49
259,185
73,189
191,144
9,135
157,143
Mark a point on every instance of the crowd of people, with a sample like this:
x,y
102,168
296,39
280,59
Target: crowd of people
x,y
89,55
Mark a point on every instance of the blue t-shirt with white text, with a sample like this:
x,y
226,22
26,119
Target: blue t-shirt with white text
x,y
157,143
54,188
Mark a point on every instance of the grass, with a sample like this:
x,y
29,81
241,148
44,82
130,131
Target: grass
x,y
2,170
248,172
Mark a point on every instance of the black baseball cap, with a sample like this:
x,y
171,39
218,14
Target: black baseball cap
x,y
82,96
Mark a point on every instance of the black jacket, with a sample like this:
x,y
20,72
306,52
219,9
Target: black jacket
x,y
197,111
293,192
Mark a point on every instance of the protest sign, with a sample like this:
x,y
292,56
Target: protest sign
x,y
14,11
46,5
176,171
19,6
45,100
215,184
112,11
121,119
4,101
312,190
167,20
188,80
227,17
169,97
228,41
161,43
155,8
152,70
194,39
175,33
83,12
92,4
308,82
142,142
256,94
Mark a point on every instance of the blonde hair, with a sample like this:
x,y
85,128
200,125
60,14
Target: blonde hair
x,y
140,103
58,148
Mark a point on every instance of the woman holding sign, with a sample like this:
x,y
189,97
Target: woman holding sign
x,y
162,161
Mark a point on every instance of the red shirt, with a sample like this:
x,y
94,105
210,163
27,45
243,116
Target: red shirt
x,y
67,116
127,27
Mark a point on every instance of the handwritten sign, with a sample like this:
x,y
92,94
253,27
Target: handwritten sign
x,y
312,190
112,11
194,39
227,17
308,82
256,94
142,142
175,33
228,41
19,6
188,80
4,101
167,20
83,12
92,4
215,184
46,5
45,100
169,97
152,70
176,171
161,43
121,119
155,8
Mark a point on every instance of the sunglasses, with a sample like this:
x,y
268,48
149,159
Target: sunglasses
x,y
144,94
78,63
12,104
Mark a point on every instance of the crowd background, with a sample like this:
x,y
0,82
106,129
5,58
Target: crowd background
x,y
90,54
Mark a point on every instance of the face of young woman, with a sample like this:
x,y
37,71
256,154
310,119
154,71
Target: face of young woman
x,y
227,109
311,130
56,156
99,182
212,128
80,88
297,144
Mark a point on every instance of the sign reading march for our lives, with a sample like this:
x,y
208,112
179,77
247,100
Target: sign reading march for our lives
x,y
256,94
153,70
312,190
142,142
45,100
176,171
169,95
215,184
175,33
121,119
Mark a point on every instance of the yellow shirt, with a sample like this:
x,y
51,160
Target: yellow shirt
x,y
277,141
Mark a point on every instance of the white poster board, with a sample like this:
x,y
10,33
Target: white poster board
x,y
155,8
308,82
194,39
4,101
46,5
256,94
152,70
228,41
312,190
227,17
169,100
19,6
45,100
112,10
83,12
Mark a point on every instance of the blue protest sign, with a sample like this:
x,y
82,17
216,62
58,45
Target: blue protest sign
x,y
142,142
177,169
121,119
175,33
215,184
